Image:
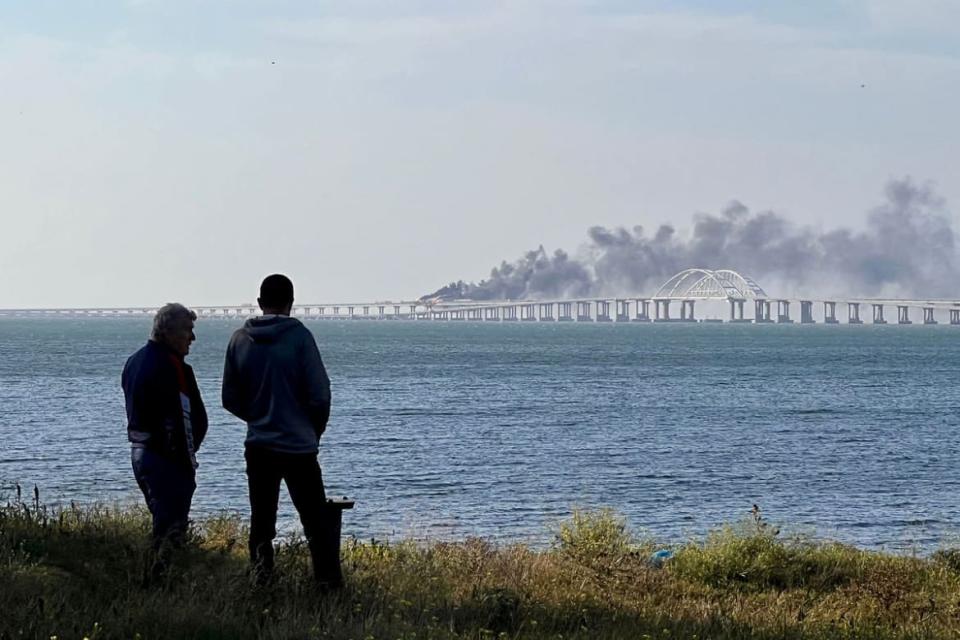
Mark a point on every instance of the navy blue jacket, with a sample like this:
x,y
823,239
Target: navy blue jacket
x,y
151,387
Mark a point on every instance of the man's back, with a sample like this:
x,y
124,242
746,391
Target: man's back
x,y
274,380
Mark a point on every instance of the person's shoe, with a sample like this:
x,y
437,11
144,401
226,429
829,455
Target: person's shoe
x,y
154,575
328,588
159,562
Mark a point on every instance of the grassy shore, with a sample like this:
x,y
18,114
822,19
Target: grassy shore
x,y
77,572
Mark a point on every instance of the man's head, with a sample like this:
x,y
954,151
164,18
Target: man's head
x,y
173,327
276,295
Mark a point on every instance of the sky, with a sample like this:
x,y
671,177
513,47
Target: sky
x,y
155,151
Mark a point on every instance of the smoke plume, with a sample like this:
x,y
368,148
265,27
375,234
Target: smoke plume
x,y
907,249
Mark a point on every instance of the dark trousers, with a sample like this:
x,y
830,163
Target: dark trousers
x,y
168,488
301,472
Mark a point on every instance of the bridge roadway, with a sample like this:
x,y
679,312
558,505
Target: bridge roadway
x,y
592,309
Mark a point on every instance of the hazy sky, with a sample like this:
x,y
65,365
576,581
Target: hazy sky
x,y
166,150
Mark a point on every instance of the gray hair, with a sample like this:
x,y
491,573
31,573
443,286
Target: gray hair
x,y
170,317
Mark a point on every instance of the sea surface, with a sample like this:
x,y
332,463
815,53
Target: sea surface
x,y
449,430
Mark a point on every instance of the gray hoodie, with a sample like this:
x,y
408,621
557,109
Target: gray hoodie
x,y
274,380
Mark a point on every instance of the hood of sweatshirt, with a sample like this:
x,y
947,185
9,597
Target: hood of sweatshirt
x,y
269,328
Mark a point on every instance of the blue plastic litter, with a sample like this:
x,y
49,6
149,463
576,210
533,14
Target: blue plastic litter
x,y
657,558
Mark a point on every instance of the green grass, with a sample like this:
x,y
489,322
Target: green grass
x,y
77,572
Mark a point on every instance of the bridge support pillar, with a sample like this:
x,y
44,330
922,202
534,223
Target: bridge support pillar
x,y
736,310
661,310
583,312
761,312
830,312
686,311
603,311
806,312
546,312
510,313
643,310
623,310
783,312
853,313
903,314
491,314
878,314
565,312
954,316
928,317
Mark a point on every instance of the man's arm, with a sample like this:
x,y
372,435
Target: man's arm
x,y
232,394
139,380
318,385
198,413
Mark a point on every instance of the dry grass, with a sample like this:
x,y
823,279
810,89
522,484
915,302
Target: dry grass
x,y
77,573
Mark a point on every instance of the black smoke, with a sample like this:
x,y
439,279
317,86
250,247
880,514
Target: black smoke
x,y
536,274
907,248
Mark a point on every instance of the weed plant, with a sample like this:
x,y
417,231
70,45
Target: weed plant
x,y
78,572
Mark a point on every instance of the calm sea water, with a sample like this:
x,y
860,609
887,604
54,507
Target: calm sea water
x,y
449,430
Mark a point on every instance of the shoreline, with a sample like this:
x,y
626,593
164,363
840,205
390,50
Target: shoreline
x,y
288,524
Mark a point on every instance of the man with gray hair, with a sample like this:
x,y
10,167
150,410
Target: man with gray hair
x,y
166,423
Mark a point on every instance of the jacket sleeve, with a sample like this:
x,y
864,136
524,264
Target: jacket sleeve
x,y
143,412
317,385
232,393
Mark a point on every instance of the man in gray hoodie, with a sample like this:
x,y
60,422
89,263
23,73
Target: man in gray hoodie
x,y
275,381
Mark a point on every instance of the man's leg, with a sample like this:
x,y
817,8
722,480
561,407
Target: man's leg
x,y
182,483
142,471
305,484
168,490
263,479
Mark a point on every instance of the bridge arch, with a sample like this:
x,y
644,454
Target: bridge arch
x,y
704,284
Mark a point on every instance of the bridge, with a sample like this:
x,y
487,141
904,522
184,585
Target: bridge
x,y
674,301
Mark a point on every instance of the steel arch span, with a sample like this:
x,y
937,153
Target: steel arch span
x,y
704,284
